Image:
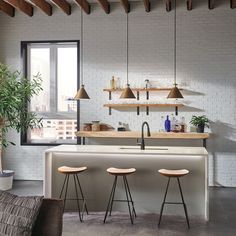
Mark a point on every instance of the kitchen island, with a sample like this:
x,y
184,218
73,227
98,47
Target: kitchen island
x,y
146,184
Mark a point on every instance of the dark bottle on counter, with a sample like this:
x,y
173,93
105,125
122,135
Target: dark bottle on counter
x,y
167,124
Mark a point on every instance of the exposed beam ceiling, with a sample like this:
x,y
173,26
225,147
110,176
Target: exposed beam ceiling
x,y
233,4
7,8
84,5
126,5
168,5
43,5
63,5
22,5
105,5
211,4
147,5
189,5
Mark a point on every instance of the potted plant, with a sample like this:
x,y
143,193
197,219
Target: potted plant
x,y
15,92
200,122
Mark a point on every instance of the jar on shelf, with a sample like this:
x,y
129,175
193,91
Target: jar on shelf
x,y
95,126
87,127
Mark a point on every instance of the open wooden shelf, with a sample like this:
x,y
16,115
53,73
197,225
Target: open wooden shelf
x,y
141,105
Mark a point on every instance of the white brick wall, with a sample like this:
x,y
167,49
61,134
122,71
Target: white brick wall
x,y
206,55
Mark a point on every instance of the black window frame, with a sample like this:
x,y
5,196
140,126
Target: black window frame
x,y
24,59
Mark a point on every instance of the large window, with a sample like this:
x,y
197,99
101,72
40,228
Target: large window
x,y
57,63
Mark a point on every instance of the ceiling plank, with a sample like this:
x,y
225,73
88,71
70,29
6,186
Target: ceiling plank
x,y
44,6
22,5
7,8
126,5
105,5
63,5
189,5
147,5
232,4
168,5
211,4
84,5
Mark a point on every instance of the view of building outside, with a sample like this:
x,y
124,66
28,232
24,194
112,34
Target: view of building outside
x,y
57,66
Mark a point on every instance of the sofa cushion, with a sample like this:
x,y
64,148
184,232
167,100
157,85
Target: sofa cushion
x,y
18,214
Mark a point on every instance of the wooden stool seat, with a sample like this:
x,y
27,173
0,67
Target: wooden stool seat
x,y
71,170
173,173
117,171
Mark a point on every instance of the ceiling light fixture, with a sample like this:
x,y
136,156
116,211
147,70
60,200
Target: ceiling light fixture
x,y
127,92
175,92
81,93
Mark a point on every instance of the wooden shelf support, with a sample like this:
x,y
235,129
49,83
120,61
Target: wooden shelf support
x,y
7,8
105,5
63,5
85,6
232,4
126,5
22,5
168,5
211,4
44,6
147,5
189,5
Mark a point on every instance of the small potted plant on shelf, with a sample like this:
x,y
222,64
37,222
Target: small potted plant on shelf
x,y
15,93
200,122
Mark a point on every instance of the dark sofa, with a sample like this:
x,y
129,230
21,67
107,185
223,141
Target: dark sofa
x,y
49,221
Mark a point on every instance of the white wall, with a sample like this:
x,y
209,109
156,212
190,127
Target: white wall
x,y
206,55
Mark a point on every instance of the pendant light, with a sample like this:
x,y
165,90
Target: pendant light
x,y
127,92
81,93
175,92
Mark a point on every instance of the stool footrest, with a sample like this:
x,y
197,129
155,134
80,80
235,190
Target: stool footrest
x,y
122,201
180,203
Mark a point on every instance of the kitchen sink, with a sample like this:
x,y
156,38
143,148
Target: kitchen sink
x,y
146,148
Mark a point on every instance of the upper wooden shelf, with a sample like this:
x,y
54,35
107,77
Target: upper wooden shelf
x,y
140,89
114,105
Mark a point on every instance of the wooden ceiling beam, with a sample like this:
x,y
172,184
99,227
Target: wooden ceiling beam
x,y
211,4
168,5
84,5
189,5
7,8
126,5
22,5
43,5
232,4
63,5
105,5
147,5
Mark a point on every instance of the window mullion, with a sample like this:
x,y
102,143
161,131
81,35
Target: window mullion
x,y
53,80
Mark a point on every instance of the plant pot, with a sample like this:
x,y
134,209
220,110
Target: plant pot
x,y
200,128
6,180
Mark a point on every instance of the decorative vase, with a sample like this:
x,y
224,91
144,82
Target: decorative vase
x,y
200,128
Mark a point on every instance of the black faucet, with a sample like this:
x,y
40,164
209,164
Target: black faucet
x,y
142,144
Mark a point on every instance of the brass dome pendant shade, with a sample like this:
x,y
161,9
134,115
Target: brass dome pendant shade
x,y
175,92
81,93
127,93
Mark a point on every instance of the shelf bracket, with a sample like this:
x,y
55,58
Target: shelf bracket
x,y
147,111
109,111
147,95
176,111
137,95
138,111
109,95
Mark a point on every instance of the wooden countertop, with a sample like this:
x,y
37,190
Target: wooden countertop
x,y
137,134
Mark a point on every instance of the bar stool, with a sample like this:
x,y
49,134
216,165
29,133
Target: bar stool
x,y
73,171
121,172
174,174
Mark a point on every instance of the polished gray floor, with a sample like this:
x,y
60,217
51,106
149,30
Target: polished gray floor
x,y
222,218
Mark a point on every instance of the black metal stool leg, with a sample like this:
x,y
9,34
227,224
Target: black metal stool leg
x,y
126,191
77,198
109,201
185,208
68,177
134,212
113,194
62,189
163,203
82,195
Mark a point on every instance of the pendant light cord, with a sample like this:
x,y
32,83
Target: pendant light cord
x,y
175,46
127,47
82,47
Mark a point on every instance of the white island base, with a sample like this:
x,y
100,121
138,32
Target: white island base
x,y
147,185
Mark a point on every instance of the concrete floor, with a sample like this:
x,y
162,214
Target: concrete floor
x,y
222,212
